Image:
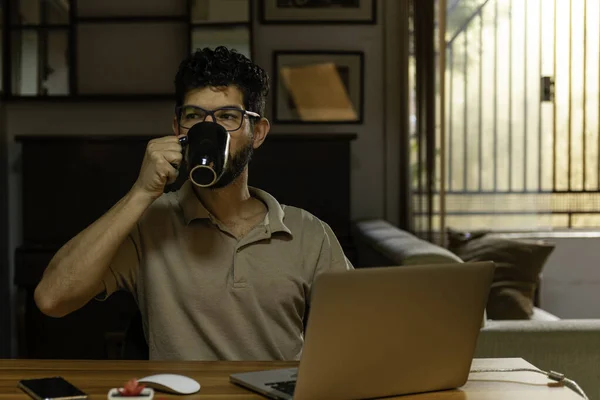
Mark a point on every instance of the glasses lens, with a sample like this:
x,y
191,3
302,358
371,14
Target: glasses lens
x,y
190,116
230,119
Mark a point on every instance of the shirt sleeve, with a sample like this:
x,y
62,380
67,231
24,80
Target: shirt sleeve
x,y
331,256
123,270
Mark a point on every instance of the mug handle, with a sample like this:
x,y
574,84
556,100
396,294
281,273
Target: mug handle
x,y
171,187
183,141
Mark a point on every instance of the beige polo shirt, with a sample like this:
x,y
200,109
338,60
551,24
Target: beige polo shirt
x,y
204,295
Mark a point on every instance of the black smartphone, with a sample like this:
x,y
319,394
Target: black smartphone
x,y
54,388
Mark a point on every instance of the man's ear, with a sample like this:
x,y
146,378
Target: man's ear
x,y
261,130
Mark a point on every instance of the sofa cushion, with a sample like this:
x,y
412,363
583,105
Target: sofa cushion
x,y
519,264
400,247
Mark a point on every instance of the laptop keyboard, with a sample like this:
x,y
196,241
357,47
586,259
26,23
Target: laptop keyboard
x,y
286,387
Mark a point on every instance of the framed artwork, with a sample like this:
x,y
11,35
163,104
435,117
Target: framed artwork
x,y
318,11
318,87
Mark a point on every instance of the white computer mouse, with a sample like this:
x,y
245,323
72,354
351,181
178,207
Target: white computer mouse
x,y
171,383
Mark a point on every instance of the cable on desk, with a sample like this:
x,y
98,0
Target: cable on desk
x,y
555,376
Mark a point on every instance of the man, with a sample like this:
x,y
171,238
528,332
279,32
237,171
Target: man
x,y
219,273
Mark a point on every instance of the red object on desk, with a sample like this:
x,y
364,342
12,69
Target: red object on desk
x,y
131,388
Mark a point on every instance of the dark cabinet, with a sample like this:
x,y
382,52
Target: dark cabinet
x,y
70,181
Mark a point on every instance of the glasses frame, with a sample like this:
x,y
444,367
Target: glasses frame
x,y
211,113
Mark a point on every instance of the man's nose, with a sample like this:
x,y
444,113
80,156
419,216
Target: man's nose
x,y
212,117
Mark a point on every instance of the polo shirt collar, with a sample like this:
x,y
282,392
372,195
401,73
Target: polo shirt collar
x,y
194,209
275,214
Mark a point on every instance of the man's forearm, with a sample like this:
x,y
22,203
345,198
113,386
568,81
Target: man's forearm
x,y
75,274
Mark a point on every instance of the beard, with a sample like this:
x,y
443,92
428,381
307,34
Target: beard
x,y
236,165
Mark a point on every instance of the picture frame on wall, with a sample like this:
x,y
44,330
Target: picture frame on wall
x,y
362,12
318,87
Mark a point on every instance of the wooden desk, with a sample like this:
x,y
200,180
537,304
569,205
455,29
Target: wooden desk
x,y
97,377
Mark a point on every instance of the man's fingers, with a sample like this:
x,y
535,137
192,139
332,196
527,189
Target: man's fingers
x,y
168,143
172,174
166,139
165,147
173,157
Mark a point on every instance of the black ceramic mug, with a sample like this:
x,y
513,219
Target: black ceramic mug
x,y
206,152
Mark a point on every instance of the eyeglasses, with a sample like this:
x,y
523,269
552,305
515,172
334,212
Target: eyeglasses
x,y
230,118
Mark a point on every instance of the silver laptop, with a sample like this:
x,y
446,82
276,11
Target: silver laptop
x,y
387,331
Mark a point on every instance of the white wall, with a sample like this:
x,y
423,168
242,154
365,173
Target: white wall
x,y
570,278
27,83
368,150
57,82
129,58
571,282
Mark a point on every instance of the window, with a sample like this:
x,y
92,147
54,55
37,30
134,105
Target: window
x,y
37,39
522,115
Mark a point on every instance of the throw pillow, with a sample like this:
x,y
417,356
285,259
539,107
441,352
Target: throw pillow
x,y
519,264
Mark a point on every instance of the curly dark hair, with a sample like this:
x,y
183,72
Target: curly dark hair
x,y
223,67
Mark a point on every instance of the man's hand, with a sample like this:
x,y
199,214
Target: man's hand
x,y
157,168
